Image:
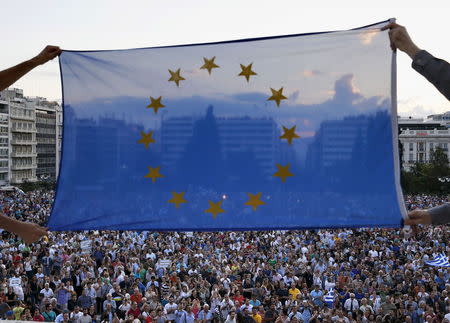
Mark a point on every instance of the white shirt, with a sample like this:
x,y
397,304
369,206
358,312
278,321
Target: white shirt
x,y
28,266
364,308
226,306
47,293
230,320
170,308
348,304
329,285
15,281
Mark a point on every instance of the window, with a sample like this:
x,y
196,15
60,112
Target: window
x,y
421,146
431,146
421,157
411,146
411,157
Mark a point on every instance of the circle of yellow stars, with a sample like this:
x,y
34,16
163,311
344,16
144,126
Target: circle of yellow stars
x,y
215,208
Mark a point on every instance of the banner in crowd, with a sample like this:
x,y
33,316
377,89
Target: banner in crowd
x,y
440,260
283,132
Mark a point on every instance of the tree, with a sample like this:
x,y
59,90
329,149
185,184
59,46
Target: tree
x,y
439,161
426,177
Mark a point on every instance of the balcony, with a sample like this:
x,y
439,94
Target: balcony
x,y
22,167
19,180
17,154
16,129
23,142
21,117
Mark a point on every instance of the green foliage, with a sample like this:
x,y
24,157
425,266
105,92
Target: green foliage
x,y
424,177
41,185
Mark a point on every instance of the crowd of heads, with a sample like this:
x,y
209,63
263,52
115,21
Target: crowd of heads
x,y
342,275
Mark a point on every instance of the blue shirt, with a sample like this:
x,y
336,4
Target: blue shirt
x,y
255,303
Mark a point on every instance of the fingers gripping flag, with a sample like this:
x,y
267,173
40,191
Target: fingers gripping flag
x,y
284,132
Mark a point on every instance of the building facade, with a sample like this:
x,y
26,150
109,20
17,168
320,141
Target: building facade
x,y
28,138
46,139
22,128
335,142
4,143
419,137
236,135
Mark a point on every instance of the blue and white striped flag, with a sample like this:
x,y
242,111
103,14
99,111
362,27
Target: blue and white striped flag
x,y
329,298
440,261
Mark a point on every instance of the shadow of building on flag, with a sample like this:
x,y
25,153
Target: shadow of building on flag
x,y
346,154
221,153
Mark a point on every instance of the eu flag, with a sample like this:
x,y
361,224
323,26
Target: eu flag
x,y
285,132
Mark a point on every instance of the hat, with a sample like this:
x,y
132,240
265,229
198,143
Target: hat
x,y
9,313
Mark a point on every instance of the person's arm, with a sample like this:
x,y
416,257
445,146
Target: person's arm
x,y
29,232
436,215
11,75
435,70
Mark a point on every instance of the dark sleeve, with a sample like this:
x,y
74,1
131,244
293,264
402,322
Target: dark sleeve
x,y
435,70
440,214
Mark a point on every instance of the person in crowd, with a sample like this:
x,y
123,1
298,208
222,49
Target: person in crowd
x,y
376,275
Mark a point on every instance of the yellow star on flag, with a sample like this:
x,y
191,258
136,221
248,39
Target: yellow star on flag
x,y
289,134
209,64
176,77
283,172
277,96
153,173
146,139
155,104
214,208
247,71
254,200
177,199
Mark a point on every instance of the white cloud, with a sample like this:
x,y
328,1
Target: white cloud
x,y
367,36
311,73
413,107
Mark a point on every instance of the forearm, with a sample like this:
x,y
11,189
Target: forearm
x,y
12,74
440,214
435,70
9,224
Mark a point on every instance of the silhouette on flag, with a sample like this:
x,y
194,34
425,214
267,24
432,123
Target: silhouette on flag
x,y
283,132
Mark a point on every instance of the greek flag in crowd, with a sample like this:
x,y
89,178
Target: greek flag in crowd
x,y
329,298
284,132
439,261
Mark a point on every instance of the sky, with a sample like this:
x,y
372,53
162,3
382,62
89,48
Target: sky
x,y
119,83
87,25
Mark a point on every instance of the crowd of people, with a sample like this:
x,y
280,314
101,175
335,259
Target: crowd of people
x,y
354,275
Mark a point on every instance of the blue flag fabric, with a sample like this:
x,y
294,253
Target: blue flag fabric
x,y
284,132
